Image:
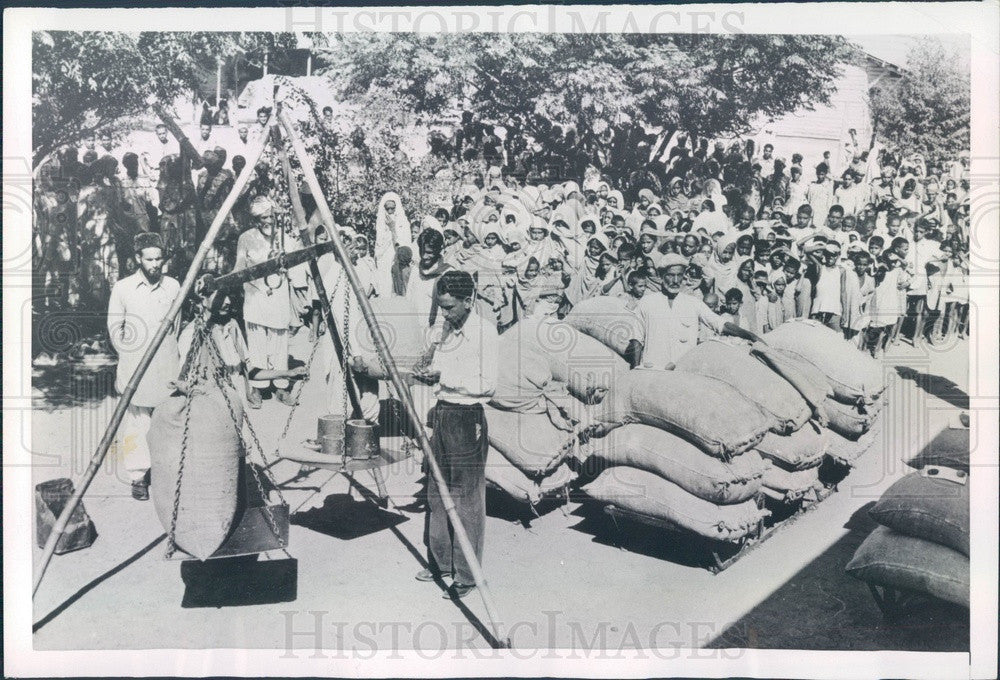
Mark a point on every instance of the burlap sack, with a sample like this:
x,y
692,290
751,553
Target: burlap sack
x,y
529,441
587,367
926,507
655,497
854,375
503,475
730,361
210,482
889,558
791,481
851,420
607,320
799,450
705,411
653,450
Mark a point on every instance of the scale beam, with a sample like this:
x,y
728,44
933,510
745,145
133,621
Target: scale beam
x,y
266,268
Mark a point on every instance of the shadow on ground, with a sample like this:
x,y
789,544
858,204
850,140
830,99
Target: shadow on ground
x,y
936,385
822,603
345,517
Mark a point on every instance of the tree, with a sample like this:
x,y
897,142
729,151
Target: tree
x,y
98,82
927,109
703,85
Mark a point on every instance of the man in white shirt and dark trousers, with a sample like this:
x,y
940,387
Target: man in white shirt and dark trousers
x,y
463,368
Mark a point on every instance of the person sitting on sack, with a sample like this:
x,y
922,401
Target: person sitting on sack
x,y
670,319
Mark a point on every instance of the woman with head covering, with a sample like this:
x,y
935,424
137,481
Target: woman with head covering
x,y
392,229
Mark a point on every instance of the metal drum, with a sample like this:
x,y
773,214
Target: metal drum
x,y
361,440
330,434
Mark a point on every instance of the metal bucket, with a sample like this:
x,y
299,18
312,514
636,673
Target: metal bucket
x,y
330,434
361,440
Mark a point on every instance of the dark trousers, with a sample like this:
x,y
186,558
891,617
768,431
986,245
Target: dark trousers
x,y
916,308
459,444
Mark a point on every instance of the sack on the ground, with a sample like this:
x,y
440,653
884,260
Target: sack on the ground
x,y
653,450
586,366
730,361
927,507
404,330
799,450
851,420
607,320
528,440
502,474
210,482
649,494
889,558
794,482
950,448
705,411
847,451
854,375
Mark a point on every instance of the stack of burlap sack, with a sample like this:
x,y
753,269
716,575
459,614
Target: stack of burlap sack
x,y
698,445
922,541
549,376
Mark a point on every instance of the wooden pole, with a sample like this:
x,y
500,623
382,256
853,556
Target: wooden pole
x,y
331,323
397,380
146,360
182,139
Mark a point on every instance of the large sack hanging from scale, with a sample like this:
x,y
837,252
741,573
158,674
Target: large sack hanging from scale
x,y
210,483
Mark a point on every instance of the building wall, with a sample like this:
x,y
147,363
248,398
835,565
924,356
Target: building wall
x,y
810,133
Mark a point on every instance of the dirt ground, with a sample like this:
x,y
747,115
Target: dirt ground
x,y
569,579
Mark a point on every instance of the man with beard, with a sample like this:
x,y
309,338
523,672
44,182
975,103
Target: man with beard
x,y
671,317
267,309
139,303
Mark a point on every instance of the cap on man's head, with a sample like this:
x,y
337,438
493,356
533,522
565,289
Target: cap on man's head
x,y
146,239
671,260
832,247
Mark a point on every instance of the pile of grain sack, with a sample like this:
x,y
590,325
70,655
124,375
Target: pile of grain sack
x,y
922,541
697,446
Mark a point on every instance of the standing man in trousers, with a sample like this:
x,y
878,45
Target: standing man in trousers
x,y
137,307
463,368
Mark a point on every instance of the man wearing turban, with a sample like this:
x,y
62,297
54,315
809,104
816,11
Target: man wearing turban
x,y
267,307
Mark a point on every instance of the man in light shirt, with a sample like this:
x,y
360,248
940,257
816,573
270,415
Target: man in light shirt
x,y
670,318
819,194
139,303
463,369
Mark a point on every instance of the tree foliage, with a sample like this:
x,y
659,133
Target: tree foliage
x,y
703,85
927,110
99,82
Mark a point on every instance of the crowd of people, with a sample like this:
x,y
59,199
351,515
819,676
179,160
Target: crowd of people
x,y
765,239
883,242
696,242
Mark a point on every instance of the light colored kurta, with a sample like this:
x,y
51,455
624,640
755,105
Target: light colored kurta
x,y
135,311
671,327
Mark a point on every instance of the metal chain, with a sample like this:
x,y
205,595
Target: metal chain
x,y
197,341
237,423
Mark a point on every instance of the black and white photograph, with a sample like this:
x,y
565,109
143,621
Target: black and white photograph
x,y
445,333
